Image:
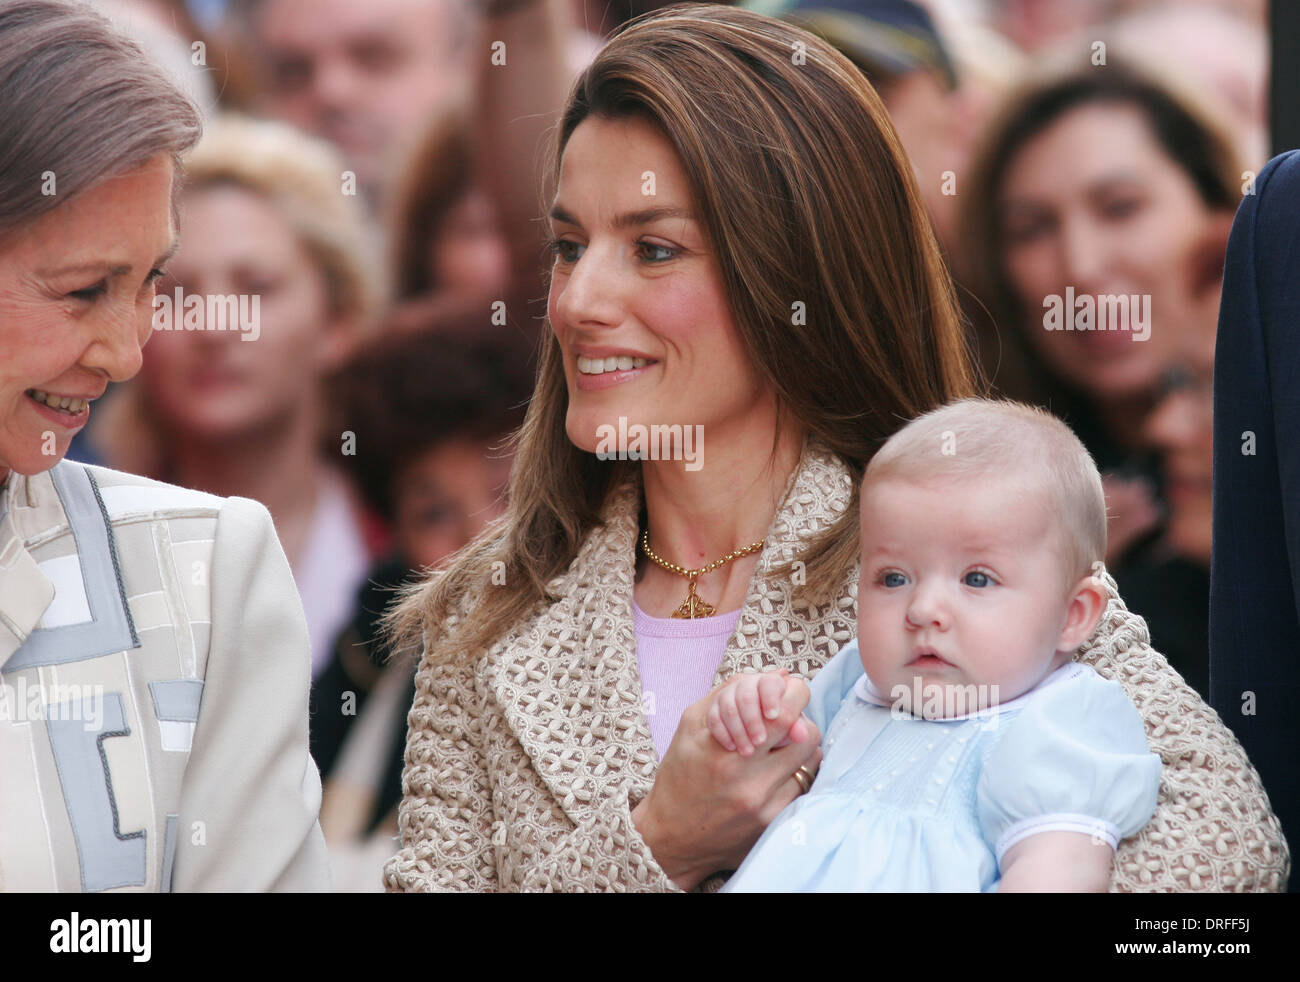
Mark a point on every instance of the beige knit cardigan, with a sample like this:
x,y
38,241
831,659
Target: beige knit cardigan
x,y
522,766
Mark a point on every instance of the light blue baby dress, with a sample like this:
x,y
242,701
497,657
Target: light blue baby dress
x,y
903,804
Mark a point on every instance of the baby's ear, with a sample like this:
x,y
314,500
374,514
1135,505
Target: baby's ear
x,y
1087,605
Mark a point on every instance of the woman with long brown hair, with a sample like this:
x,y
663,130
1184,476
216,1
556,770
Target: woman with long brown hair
x,y
741,261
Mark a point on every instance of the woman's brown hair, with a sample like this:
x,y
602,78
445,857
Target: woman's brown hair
x,y
806,198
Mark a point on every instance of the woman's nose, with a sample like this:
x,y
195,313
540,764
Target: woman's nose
x,y
589,294
1184,416
1083,255
1174,423
116,348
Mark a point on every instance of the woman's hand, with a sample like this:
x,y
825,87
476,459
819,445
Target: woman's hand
x,y
709,805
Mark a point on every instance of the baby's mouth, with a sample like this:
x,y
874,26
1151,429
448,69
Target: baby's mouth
x,y
929,658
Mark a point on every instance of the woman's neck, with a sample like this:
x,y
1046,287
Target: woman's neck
x,y
696,517
278,465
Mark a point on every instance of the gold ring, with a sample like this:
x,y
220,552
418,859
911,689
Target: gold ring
x,y
804,778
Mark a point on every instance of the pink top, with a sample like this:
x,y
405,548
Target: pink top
x,y
678,658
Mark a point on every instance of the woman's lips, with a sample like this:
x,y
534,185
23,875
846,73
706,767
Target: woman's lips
x,y
68,421
592,383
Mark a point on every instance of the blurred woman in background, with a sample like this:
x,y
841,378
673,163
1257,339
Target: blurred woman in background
x,y
433,459
1100,182
232,412
445,231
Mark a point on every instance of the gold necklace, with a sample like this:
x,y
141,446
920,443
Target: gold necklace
x,y
694,605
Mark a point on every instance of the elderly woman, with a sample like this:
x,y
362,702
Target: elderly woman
x,y
153,652
740,252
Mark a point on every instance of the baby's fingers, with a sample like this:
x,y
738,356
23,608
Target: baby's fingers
x,y
717,728
746,689
771,689
728,705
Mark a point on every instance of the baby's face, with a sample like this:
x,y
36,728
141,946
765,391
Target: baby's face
x,y
962,585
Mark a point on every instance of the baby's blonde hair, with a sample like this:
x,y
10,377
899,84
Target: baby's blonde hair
x,y
973,438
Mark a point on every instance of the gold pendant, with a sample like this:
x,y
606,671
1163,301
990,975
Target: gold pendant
x,y
694,605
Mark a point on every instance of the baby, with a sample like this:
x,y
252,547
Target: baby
x,y
965,750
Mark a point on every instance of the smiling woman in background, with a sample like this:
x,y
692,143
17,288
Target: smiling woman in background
x,y
240,412
153,652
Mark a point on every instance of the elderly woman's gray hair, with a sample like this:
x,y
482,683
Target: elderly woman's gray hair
x,y
81,103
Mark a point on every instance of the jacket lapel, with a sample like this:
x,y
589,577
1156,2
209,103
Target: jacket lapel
x,y
94,618
567,680
25,592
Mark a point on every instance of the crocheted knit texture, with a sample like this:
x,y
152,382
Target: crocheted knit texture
x,y
522,767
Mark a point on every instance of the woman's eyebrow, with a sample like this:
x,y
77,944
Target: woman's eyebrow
x,y
629,219
106,268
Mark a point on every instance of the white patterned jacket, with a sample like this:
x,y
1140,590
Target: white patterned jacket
x,y
153,692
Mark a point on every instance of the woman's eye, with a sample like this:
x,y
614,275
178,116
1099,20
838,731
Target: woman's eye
x,y
892,579
977,579
90,293
151,281
666,251
564,250
1121,207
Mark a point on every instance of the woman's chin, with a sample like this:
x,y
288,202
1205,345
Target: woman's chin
x,y
597,432
31,464
1116,379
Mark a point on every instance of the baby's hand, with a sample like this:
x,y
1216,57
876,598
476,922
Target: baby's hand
x,y
739,708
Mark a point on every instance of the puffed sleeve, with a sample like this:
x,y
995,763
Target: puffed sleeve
x,y
251,795
1074,759
830,685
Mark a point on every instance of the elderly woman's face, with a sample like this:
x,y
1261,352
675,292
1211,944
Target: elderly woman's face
x,y
76,307
1092,203
636,300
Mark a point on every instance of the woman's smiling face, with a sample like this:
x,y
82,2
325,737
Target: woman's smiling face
x,y
76,308
635,279
1094,203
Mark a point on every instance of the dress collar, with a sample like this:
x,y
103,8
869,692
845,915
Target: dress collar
x,y
867,692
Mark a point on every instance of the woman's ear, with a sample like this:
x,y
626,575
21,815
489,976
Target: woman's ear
x,y
1087,604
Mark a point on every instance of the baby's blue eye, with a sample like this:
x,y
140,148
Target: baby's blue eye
x,y
893,579
976,578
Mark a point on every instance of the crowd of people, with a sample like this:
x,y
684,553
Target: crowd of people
x,y
376,174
